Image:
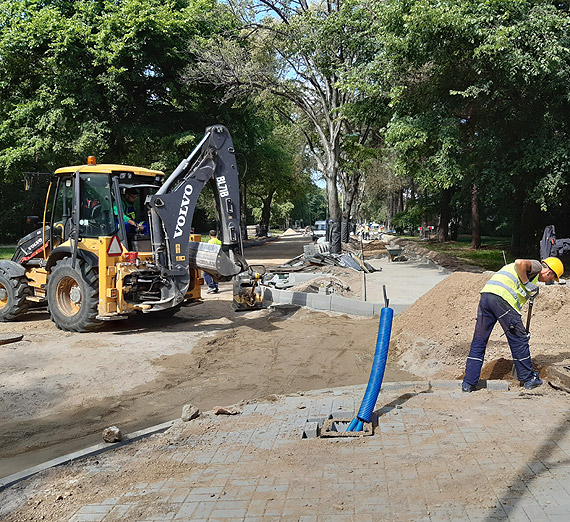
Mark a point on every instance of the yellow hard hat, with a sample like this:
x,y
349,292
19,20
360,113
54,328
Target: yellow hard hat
x,y
555,265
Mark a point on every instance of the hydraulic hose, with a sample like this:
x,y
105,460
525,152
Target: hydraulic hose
x,y
378,368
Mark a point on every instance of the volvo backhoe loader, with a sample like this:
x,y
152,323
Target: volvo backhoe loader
x,y
88,267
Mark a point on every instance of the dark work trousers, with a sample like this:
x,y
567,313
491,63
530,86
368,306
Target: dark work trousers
x,y
210,282
493,308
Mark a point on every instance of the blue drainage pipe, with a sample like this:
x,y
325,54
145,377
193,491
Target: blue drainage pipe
x,y
378,368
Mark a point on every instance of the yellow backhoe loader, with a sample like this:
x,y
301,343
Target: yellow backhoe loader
x,y
100,255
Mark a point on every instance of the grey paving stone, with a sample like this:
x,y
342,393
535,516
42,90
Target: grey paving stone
x,y
244,468
496,385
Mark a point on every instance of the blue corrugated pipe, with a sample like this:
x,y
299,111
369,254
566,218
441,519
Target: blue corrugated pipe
x,y
378,368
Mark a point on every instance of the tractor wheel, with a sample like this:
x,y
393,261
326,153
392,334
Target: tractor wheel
x,y
73,296
13,294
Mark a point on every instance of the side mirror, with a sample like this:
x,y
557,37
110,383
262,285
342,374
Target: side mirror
x,y
32,221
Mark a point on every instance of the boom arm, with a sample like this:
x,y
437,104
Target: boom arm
x,y
171,210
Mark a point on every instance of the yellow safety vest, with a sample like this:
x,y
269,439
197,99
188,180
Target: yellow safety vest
x,y
214,241
506,284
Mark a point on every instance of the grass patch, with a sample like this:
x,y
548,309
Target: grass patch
x,y
489,256
6,252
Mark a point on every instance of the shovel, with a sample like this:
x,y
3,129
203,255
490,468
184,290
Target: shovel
x,y
527,327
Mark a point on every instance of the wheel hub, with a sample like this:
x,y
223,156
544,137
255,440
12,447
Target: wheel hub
x,y
3,296
68,296
75,295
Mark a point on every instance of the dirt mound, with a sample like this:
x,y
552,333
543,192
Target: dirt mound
x,y
432,337
290,232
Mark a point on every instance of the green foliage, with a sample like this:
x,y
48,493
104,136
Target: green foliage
x,y
100,78
477,94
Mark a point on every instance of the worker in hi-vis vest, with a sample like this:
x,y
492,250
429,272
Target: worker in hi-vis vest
x,y
212,285
502,299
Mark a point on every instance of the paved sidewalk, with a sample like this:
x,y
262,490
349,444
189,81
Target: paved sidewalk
x,y
436,454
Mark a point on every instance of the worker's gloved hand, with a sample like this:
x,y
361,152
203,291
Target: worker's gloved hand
x,y
531,289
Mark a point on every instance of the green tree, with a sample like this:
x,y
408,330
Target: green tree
x,y
475,89
299,53
100,78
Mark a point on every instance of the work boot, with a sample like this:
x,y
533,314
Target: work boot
x,y
534,382
467,388
211,291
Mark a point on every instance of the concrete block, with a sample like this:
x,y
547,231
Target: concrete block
x,y
445,384
343,414
497,385
318,419
311,430
283,297
319,302
351,306
299,298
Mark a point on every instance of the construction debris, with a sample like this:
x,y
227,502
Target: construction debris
x,y
318,254
112,434
226,410
189,412
10,338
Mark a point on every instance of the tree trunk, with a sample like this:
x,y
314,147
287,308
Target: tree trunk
x,y
334,215
526,233
350,190
444,216
266,214
425,231
475,232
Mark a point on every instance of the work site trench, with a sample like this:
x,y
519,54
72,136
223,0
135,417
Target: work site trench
x,y
60,390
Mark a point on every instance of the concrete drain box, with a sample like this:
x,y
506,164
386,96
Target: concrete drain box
x,y
337,428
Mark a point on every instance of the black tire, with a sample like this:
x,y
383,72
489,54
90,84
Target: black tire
x,y
73,296
13,297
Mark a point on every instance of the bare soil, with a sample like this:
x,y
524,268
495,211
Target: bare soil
x,y
59,390
432,337
60,387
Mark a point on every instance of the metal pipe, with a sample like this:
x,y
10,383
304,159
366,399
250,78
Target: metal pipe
x,y
182,166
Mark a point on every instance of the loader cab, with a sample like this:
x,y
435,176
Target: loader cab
x,y
88,201
134,207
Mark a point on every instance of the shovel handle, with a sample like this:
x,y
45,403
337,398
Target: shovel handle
x,y
529,314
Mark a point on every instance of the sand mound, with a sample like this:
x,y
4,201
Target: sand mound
x,y
290,232
432,337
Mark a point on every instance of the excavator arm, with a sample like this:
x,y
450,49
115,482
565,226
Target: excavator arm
x,y
172,207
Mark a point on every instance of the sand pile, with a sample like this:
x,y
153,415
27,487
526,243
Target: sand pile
x,y
432,337
290,232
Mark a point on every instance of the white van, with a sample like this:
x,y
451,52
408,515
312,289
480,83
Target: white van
x,y
320,229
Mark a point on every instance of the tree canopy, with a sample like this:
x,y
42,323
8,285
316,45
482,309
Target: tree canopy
x,y
449,111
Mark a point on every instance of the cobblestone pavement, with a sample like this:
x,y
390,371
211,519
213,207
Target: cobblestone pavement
x,y
436,454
